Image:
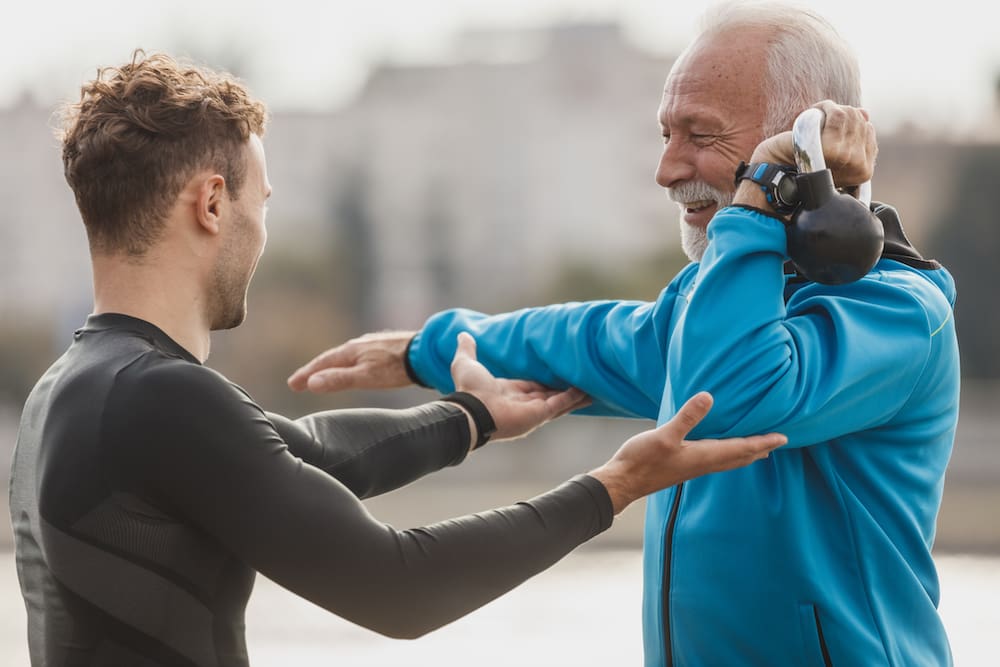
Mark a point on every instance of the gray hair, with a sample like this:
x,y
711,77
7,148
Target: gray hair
x,y
808,61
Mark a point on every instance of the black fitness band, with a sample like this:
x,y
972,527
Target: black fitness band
x,y
480,415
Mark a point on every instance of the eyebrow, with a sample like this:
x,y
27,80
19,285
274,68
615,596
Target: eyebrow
x,y
697,116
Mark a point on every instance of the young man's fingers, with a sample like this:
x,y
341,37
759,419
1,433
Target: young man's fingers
x,y
466,348
719,455
566,401
692,412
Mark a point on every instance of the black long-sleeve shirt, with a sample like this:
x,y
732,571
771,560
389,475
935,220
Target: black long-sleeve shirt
x,y
147,489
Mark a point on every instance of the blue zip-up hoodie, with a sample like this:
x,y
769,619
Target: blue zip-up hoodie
x,y
820,554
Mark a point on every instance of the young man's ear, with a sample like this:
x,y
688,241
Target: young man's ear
x,y
211,202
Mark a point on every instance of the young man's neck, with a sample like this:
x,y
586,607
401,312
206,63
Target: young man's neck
x,y
168,297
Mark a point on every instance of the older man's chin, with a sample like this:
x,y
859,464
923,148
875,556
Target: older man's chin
x,y
694,237
694,241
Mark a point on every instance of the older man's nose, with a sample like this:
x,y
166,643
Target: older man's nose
x,y
675,166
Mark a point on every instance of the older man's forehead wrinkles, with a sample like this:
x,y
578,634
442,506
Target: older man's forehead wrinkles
x,y
687,116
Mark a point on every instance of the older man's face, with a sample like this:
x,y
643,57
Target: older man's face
x,y
711,117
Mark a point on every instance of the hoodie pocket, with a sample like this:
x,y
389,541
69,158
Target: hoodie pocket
x,y
813,643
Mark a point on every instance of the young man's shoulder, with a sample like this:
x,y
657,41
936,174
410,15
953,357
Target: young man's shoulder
x,y
154,387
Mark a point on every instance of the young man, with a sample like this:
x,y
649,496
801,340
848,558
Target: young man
x,y
147,489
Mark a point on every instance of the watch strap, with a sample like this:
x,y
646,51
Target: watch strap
x,y
769,176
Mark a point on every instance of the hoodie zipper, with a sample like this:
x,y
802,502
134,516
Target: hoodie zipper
x,y
668,545
822,640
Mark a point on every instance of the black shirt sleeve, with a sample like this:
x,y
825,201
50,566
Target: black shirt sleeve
x,y
213,456
373,451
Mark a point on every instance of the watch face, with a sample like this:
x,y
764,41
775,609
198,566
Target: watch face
x,y
788,190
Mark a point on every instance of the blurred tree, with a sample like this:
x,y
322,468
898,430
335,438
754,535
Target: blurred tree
x,y
293,315
967,240
25,352
354,249
438,231
641,278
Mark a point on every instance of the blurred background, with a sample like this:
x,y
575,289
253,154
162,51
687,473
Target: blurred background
x,y
494,156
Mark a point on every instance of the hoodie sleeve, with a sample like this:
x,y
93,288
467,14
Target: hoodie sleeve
x,y
615,351
832,360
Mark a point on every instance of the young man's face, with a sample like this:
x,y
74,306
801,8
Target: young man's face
x,y
244,242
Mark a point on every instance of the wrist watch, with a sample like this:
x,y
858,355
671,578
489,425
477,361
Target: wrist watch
x,y
778,182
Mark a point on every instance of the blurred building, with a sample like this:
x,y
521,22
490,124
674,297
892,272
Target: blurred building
x,y
44,266
472,182
468,180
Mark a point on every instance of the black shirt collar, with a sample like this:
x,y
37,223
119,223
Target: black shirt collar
x,y
147,330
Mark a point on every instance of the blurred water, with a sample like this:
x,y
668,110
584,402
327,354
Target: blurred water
x,y
582,612
585,610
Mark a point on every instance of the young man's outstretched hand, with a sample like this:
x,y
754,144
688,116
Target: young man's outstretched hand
x,y
661,457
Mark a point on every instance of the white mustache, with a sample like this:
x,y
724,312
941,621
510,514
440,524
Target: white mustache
x,y
699,191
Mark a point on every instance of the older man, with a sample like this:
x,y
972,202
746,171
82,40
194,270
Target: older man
x,y
821,555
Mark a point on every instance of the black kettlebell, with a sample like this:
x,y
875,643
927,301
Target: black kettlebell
x,y
833,237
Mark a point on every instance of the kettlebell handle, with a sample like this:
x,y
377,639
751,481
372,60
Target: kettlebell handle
x,y
807,132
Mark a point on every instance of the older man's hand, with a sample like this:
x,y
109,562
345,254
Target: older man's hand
x,y
849,145
371,361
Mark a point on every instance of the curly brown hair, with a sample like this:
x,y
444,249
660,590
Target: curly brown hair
x,y
140,132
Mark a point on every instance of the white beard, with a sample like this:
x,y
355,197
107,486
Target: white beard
x,y
694,240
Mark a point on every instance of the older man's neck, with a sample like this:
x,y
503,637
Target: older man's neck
x,y
162,293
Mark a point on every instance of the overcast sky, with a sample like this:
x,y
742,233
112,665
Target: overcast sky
x,y
936,67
